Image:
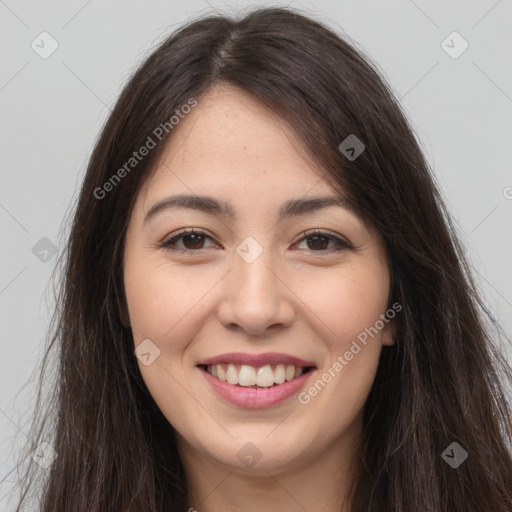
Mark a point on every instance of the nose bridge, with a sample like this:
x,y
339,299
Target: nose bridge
x,y
252,260
255,278
255,298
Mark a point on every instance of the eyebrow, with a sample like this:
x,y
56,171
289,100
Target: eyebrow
x,y
291,208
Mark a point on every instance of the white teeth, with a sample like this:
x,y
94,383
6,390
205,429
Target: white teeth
x,y
280,374
232,374
221,374
245,375
265,377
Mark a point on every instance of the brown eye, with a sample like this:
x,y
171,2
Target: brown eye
x,y
319,241
189,240
193,241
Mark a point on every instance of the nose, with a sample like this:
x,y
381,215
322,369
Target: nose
x,y
255,298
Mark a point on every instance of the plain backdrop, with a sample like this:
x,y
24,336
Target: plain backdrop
x,y
458,99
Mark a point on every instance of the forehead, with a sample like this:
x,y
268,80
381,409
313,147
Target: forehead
x,y
229,138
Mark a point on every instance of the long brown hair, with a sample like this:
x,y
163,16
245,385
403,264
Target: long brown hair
x,y
443,382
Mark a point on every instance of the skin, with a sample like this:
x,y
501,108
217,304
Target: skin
x,y
294,298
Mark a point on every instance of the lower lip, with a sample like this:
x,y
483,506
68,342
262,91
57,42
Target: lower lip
x,y
255,398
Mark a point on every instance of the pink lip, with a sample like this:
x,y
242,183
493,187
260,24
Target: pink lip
x,y
256,360
255,398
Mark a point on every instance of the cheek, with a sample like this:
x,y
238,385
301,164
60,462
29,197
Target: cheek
x,y
345,302
164,301
347,305
165,305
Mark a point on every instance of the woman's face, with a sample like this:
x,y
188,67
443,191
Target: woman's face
x,y
249,285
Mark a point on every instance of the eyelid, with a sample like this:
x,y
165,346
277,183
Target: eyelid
x,y
342,243
164,244
328,234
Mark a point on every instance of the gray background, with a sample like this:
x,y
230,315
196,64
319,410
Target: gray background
x,y
52,109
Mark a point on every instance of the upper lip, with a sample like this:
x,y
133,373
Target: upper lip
x,y
256,360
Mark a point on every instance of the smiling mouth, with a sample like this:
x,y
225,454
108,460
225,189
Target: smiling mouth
x,y
267,376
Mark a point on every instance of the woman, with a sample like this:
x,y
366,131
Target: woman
x,y
265,304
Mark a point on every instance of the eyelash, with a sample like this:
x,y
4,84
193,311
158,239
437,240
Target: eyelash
x,y
166,244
